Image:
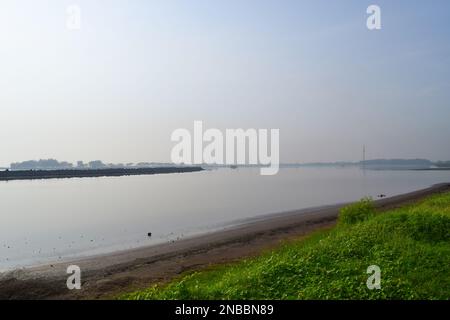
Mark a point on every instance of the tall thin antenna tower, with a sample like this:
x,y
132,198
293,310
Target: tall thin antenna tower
x,y
364,157
364,153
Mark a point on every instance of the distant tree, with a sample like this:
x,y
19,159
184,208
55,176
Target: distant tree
x,y
42,164
442,164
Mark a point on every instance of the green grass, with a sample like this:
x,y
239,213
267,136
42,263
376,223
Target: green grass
x,y
411,245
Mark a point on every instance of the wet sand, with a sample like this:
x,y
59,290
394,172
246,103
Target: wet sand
x,y
106,276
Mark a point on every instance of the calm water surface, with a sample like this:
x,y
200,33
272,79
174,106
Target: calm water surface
x,y
51,220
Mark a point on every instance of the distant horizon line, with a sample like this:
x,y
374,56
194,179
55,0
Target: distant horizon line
x,y
96,164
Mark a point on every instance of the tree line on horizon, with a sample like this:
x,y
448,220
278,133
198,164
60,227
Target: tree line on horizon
x,y
53,164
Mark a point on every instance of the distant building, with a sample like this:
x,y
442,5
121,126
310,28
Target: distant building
x,y
81,165
97,164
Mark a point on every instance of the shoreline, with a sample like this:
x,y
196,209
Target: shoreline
x,y
106,275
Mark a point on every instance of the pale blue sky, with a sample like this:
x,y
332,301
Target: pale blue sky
x,y
137,70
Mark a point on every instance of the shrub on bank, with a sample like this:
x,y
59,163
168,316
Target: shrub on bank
x,y
357,212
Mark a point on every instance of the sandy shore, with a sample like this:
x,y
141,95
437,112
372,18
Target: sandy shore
x,y
105,276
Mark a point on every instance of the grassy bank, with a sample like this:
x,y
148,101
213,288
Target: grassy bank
x,y
411,245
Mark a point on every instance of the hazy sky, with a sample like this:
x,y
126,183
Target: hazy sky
x,y
137,70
